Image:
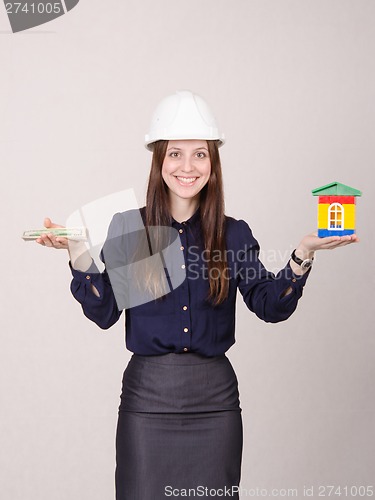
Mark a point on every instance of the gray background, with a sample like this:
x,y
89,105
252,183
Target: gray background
x,y
292,85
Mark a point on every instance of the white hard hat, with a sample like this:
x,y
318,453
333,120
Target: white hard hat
x,y
183,115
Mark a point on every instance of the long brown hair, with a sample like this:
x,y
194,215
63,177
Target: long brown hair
x,y
211,204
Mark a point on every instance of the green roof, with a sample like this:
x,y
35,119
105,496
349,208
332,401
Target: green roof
x,y
336,189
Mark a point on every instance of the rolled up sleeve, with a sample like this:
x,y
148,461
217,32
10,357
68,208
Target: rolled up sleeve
x,y
263,292
102,310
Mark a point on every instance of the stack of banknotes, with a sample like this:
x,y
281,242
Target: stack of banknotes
x,y
72,233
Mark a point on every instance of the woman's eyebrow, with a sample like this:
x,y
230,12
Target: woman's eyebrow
x,y
179,149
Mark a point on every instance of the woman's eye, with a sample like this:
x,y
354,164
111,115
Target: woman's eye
x,y
174,154
201,155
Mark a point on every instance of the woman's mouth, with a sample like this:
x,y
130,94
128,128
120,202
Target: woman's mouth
x,y
186,181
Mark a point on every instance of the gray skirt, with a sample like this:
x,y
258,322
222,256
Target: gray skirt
x,y
179,430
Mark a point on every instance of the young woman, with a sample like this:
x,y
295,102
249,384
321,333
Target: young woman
x,y
179,424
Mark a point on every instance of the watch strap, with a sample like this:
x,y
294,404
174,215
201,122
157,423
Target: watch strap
x,y
297,260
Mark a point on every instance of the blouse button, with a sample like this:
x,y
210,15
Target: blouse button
x,y
185,349
180,230
294,280
186,330
87,277
181,248
183,266
184,308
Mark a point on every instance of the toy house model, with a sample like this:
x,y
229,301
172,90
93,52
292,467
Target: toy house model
x,y
336,209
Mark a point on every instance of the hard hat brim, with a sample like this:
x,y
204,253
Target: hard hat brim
x,y
149,144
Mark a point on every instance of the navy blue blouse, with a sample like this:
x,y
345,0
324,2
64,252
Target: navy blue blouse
x,y
184,321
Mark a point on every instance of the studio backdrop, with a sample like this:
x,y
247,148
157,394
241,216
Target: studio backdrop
x,y
291,84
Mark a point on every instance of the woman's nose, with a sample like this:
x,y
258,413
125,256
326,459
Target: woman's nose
x,y
187,165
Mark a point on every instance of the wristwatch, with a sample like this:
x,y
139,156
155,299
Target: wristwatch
x,y
305,264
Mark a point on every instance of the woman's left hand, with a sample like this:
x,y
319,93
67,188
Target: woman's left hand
x,y
311,243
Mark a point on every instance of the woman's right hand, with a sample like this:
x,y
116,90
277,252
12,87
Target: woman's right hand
x,y
50,240
78,254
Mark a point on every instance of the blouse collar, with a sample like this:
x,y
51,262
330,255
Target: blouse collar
x,y
191,220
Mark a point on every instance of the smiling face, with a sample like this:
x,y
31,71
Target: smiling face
x,y
186,168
